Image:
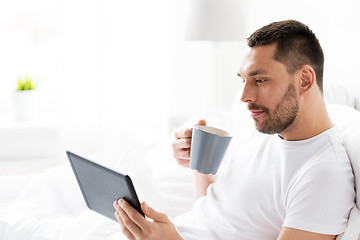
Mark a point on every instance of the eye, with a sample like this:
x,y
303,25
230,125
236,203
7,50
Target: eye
x,y
260,81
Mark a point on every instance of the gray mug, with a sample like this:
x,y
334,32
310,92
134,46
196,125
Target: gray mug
x,y
208,148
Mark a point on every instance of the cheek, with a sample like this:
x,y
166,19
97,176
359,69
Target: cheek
x,y
269,98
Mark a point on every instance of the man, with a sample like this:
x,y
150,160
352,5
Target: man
x,y
293,182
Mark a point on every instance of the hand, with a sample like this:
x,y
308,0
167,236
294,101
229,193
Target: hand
x,y
135,227
181,145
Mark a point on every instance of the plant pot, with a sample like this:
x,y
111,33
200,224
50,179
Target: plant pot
x,y
25,105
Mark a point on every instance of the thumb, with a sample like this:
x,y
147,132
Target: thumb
x,y
154,215
202,122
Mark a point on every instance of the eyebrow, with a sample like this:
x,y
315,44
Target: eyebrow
x,y
255,72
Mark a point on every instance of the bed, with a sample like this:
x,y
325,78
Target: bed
x,y
49,205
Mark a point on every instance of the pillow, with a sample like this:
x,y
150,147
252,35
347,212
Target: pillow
x,y
337,94
347,121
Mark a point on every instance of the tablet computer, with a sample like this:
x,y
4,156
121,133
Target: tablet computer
x,y
101,186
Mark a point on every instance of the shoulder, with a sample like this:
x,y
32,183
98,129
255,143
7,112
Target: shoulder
x,y
330,158
328,169
323,194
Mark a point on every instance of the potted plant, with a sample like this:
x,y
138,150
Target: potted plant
x,y
25,102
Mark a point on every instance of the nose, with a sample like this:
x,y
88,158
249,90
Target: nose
x,y
249,93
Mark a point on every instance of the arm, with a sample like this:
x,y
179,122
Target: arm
x,y
181,151
202,182
296,234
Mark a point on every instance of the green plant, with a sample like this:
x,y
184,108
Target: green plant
x,y
25,83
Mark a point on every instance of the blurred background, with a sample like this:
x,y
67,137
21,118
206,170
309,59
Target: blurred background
x,y
117,74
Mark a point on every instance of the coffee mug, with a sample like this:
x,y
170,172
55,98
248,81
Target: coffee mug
x,y
208,148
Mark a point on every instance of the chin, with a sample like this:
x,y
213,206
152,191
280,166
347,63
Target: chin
x,y
268,129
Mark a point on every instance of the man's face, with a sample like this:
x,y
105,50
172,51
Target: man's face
x,y
269,90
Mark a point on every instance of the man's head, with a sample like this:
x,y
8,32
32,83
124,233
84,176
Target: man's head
x,y
281,66
296,45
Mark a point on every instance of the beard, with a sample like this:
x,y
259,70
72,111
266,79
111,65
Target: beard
x,y
282,117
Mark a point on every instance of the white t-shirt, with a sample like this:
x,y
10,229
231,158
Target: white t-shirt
x,y
273,183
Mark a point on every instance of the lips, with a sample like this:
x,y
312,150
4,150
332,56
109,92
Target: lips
x,y
256,113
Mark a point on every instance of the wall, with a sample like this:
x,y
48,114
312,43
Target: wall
x,y
117,66
334,22
102,66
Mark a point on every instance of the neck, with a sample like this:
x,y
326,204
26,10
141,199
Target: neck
x,y
311,120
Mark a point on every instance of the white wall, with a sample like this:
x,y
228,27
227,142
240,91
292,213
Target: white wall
x,y
205,73
101,66
334,22
122,66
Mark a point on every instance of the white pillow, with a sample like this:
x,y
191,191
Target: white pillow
x,y
347,121
336,94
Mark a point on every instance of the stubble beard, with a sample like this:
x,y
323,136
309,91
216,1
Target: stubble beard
x,y
282,117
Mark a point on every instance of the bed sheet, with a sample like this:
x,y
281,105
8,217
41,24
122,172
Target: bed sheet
x,y
49,205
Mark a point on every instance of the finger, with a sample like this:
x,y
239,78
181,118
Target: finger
x,y
182,143
124,229
183,133
155,215
117,206
128,223
183,162
202,122
133,214
182,154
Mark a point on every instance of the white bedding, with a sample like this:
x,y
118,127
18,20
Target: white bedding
x,y
49,205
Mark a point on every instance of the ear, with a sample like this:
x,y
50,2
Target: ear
x,y
307,79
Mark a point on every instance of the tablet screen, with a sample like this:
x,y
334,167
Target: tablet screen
x,y
101,186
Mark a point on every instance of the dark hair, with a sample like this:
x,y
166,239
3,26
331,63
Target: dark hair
x,y
296,45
